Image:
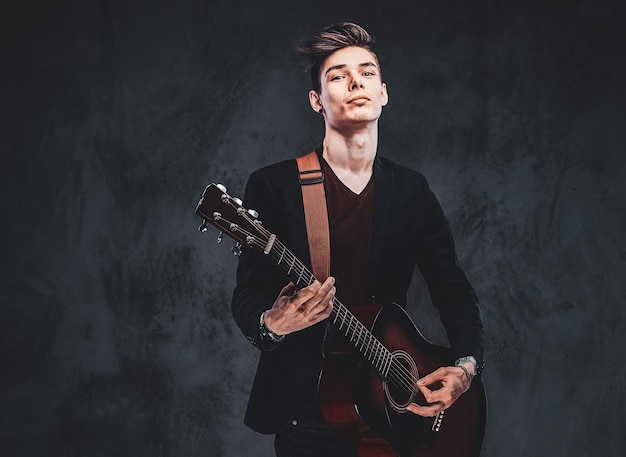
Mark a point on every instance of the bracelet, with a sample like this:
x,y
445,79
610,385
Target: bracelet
x,y
467,359
266,333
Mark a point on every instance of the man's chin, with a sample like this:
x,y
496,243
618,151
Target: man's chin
x,y
365,116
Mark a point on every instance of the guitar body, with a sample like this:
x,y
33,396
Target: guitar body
x,y
355,402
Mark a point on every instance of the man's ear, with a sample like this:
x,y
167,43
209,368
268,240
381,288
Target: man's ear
x,y
315,101
385,95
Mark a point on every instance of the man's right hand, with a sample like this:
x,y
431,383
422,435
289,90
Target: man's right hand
x,y
296,309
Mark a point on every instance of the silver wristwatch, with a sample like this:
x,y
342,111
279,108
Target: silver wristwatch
x,y
266,333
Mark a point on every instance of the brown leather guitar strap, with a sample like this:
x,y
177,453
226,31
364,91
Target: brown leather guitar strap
x,y
311,178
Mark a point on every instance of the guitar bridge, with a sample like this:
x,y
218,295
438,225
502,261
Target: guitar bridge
x,y
438,421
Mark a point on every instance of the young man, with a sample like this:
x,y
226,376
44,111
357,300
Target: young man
x,y
383,221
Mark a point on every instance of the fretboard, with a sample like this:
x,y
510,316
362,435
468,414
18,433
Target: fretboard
x,y
360,337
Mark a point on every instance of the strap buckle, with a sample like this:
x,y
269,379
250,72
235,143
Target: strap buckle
x,y
306,180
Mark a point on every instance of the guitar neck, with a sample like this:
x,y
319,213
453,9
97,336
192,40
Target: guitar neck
x,y
360,337
226,213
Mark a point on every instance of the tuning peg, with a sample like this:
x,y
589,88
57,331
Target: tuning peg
x,y
204,227
253,213
238,201
221,187
236,249
220,236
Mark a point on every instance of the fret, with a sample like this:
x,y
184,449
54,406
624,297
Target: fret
x,y
281,255
372,347
375,358
299,281
350,327
291,266
343,321
369,348
388,359
379,360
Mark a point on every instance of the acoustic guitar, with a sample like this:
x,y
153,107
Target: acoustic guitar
x,y
370,373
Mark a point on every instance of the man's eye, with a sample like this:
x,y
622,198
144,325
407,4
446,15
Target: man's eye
x,y
336,77
369,73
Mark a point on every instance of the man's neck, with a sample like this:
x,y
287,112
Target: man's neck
x,y
351,156
352,153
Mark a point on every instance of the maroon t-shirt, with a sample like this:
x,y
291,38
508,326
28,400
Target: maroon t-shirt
x,y
351,220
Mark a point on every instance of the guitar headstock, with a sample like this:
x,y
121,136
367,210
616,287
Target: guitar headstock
x,y
228,215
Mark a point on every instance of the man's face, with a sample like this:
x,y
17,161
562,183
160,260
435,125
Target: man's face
x,y
352,92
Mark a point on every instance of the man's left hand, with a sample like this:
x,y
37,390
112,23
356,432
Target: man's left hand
x,y
453,383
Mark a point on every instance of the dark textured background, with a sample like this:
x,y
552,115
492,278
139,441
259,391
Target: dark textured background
x,y
116,332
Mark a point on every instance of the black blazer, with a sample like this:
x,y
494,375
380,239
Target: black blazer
x,y
409,229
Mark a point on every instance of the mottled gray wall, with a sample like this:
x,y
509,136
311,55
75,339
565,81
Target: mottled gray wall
x,y
116,332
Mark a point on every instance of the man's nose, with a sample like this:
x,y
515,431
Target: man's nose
x,y
356,81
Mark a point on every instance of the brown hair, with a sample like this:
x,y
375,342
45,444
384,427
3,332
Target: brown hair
x,y
333,38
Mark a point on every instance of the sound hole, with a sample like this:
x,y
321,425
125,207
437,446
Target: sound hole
x,y
400,384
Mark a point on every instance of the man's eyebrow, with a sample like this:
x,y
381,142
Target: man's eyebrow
x,y
343,65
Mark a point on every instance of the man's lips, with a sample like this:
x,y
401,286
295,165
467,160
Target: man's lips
x,y
359,98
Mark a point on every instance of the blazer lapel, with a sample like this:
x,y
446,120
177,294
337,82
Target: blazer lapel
x,y
383,182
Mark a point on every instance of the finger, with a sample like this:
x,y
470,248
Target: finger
x,y
445,396
298,297
322,309
325,307
308,292
432,378
326,287
425,411
322,297
289,289
431,396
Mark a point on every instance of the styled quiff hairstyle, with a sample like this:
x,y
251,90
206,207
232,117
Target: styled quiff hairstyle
x,y
333,38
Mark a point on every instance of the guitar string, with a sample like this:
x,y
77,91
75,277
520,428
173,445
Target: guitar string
x,y
397,374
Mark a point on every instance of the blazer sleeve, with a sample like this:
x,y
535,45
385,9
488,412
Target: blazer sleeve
x,y
450,290
258,280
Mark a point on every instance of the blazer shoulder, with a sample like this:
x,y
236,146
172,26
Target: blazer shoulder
x,y
282,177
278,167
279,170
402,176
